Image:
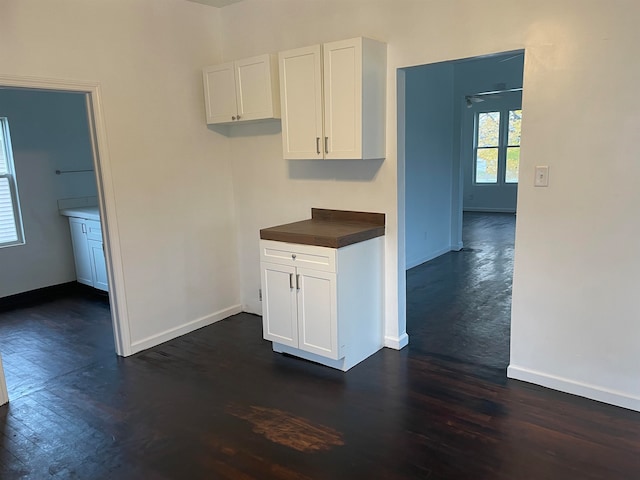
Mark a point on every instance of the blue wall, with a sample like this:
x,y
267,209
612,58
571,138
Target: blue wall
x,y
49,132
429,148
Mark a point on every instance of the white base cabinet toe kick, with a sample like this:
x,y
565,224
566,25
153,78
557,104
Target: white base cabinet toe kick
x,y
323,304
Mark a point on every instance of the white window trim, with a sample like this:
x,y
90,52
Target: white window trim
x,y
13,187
503,145
476,148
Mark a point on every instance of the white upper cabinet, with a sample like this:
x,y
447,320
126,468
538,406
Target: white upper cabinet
x,y
243,90
333,100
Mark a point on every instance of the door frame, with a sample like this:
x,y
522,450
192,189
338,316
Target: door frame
x,y
4,397
106,195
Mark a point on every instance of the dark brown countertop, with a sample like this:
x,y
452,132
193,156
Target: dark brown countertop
x,y
329,228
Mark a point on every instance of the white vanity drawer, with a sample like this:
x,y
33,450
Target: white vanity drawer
x,y
94,230
298,255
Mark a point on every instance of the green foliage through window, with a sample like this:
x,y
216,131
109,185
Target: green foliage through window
x,y
497,147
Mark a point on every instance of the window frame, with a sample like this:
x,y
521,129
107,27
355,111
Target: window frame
x,y
477,148
508,145
13,185
502,147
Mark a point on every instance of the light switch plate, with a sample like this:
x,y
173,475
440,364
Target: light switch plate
x,y
542,176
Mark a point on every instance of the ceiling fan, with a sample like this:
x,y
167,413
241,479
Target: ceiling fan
x,y
470,100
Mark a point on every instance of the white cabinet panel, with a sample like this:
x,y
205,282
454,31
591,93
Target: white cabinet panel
x,y
81,254
317,313
343,99
254,88
301,98
308,256
279,304
220,93
98,265
243,90
94,230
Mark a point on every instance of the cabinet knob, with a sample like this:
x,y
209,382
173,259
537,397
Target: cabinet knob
x,y
238,117
233,117
293,255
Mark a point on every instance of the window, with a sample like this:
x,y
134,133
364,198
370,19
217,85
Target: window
x,y
497,147
10,221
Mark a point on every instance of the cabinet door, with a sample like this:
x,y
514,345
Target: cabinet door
x,y
220,93
301,103
279,322
343,99
98,265
317,313
254,90
81,254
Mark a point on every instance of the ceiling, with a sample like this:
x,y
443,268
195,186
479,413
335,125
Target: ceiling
x,y
216,3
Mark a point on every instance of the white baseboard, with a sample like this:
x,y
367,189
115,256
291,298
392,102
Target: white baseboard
x,y
397,343
594,392
183,329
489,210
4,396
430,256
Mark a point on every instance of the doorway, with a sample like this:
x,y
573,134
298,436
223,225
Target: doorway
x,y
438,115
91,94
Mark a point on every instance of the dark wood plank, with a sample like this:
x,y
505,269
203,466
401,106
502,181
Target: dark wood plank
x,y
348,216
219,403
329,228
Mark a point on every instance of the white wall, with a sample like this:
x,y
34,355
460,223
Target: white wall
x,y
429,162
49,132
574,311
483,75
171,177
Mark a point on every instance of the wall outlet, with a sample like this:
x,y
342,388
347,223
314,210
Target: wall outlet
x,y
260,294
542,176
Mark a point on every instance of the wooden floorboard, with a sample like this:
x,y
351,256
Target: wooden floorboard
x,y
220,404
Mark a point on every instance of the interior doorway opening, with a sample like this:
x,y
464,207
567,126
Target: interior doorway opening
x,y
89,94
445,201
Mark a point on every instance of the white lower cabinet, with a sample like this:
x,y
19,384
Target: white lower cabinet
x,y
323,304
88,253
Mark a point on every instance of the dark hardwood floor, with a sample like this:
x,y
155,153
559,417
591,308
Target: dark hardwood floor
x,y
219,404
459,304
